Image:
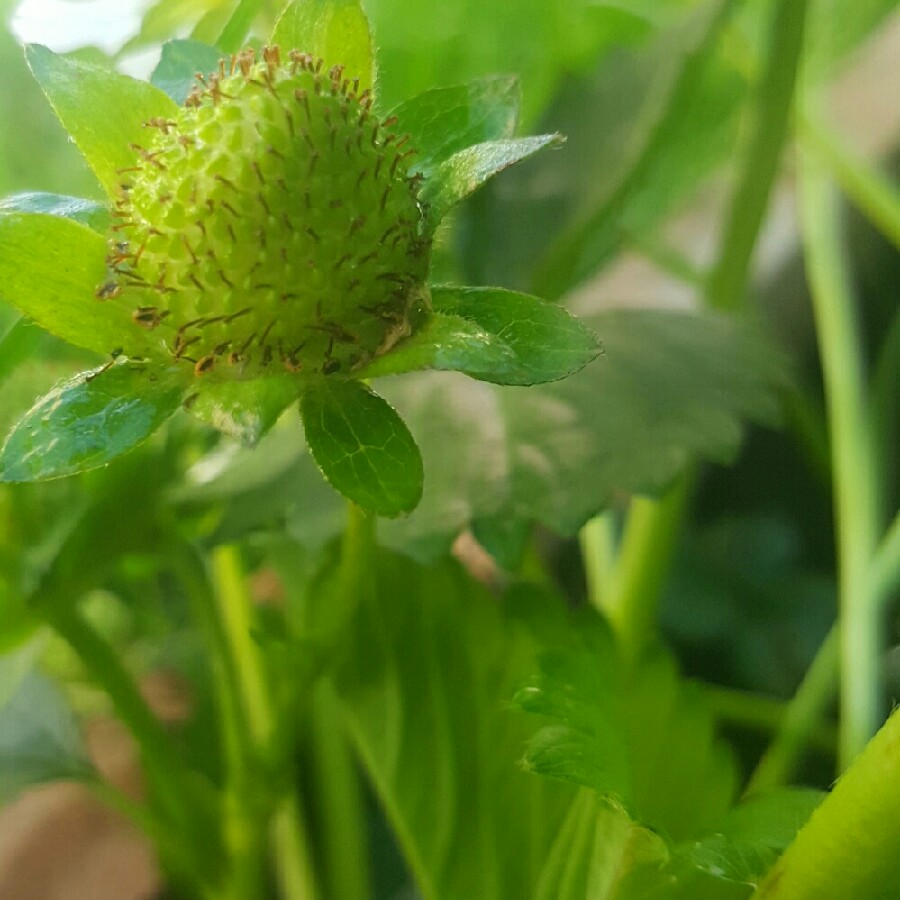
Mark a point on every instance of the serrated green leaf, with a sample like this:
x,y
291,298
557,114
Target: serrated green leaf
x,y
103,111
39,738
87,212
88,421
467,170
548,343
50,268
433,731
446,343
243,410
444,121
335,30
178,65
362,446
643,739
237,28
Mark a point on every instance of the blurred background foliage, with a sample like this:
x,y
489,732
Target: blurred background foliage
x,y
654,98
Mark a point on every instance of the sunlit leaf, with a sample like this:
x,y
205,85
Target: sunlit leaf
x,y
88,421
103,111
243,410
463,173
180,62
50,269
448,343
335,30
547,342
87,212
362,446
444,121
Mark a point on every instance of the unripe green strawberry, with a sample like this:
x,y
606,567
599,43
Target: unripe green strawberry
x,y
271,225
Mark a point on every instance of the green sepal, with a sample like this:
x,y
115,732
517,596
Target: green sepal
x,y
444,121
180,61
336,30
447,343
103,111
245,410
86,212
88,421
362,447
50,268
546,342
464,172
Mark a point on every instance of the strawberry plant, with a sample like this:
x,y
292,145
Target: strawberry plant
x,y
476,591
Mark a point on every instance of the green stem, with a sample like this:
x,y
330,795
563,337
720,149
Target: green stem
x,y
727,282
754,712
292,862
648,542
855,481
850,847
164,770
598,554
872,194
884,574
802,718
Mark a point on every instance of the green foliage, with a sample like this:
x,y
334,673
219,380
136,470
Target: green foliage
x,y
371,719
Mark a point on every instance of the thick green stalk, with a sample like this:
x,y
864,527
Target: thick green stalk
x,y
802,718
850,848
728,279
648,541
855,482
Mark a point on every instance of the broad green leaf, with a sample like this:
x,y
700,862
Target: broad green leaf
x,y
165,20
103,111
87,421
446,343
50,268
178,65
243,410
444,121
671,386
431,663
87,212
748,840
362,446
467,170
548,343
39,738
644,741
335,30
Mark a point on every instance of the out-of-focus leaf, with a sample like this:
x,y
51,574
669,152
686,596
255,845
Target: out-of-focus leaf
x,y
88,421
102,110
335,30
643,740
362,446
243,410
670,386
745,844
178,65
50,268
444,121
548,343
433,732
87,212
39,738
465,171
